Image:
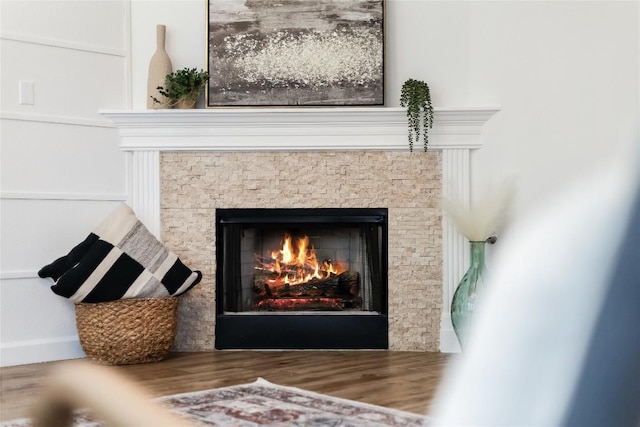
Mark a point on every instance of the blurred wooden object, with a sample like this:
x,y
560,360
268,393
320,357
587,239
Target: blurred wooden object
x,y
105,392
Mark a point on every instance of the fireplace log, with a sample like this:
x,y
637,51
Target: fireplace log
x,y
316,287
343,284
349,282
260,286
300,304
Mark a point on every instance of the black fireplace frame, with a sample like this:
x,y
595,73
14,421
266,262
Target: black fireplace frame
x,y
323,330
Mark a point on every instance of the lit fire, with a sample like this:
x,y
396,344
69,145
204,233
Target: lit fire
x,y
296,263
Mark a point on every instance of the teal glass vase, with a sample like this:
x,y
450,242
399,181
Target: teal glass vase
x,y
465,298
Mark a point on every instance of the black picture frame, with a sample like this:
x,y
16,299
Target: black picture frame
x,y
295,53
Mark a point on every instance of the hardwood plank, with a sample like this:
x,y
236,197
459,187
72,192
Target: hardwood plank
x,y
401,380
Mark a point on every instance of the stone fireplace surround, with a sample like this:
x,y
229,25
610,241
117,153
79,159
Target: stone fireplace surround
x,y
183,164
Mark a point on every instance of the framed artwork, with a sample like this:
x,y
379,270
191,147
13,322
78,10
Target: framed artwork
x,y
295,53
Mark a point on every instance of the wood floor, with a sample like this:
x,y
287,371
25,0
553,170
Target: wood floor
x,y
401,380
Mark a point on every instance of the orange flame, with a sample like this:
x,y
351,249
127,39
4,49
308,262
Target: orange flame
x,y
295,264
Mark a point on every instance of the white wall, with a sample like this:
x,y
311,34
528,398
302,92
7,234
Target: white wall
x,y
60,167
565,74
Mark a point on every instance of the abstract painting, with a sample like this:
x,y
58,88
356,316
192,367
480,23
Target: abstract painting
x,y
295,53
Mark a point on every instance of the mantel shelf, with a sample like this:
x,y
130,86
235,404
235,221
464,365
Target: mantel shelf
x,y
298,129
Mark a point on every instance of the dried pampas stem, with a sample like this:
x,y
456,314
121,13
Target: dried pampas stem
x,y
480,222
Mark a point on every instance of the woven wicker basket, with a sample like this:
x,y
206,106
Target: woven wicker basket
x,y
127,331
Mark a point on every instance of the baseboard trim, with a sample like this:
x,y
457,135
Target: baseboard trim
x,y
41,350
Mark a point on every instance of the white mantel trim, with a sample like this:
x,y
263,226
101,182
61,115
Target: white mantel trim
x,y
292,129
456,131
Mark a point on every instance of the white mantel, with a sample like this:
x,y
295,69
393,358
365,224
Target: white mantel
x,y
456,131
253,129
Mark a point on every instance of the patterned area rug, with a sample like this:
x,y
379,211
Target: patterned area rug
x,y
265,404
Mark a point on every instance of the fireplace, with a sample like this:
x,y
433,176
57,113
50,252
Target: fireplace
x,y
301,278
184,165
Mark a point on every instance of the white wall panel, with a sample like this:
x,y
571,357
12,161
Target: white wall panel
x,y
35,232
43,157
49,315
61,170
35,324
66,82
81,22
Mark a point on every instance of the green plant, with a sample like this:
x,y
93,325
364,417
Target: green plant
x,y
186,84
415,96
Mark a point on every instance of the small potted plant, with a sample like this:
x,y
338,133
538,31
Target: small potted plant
x,y
415,96
182,88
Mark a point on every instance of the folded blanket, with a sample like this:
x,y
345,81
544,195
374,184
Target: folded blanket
x,y
120,259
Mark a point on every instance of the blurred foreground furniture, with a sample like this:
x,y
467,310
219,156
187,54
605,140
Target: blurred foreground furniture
x,y
556,341
108,395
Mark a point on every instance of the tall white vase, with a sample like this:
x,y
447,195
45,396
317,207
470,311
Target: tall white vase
x,y
159,67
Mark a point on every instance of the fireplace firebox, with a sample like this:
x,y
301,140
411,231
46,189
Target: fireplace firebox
x,y
301,278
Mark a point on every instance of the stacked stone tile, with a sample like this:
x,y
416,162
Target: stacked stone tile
x,y
194,184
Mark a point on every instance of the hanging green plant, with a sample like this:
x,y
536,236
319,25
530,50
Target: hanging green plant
x,y
415,96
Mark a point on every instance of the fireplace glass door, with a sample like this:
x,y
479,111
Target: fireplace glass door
x,y
301,269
